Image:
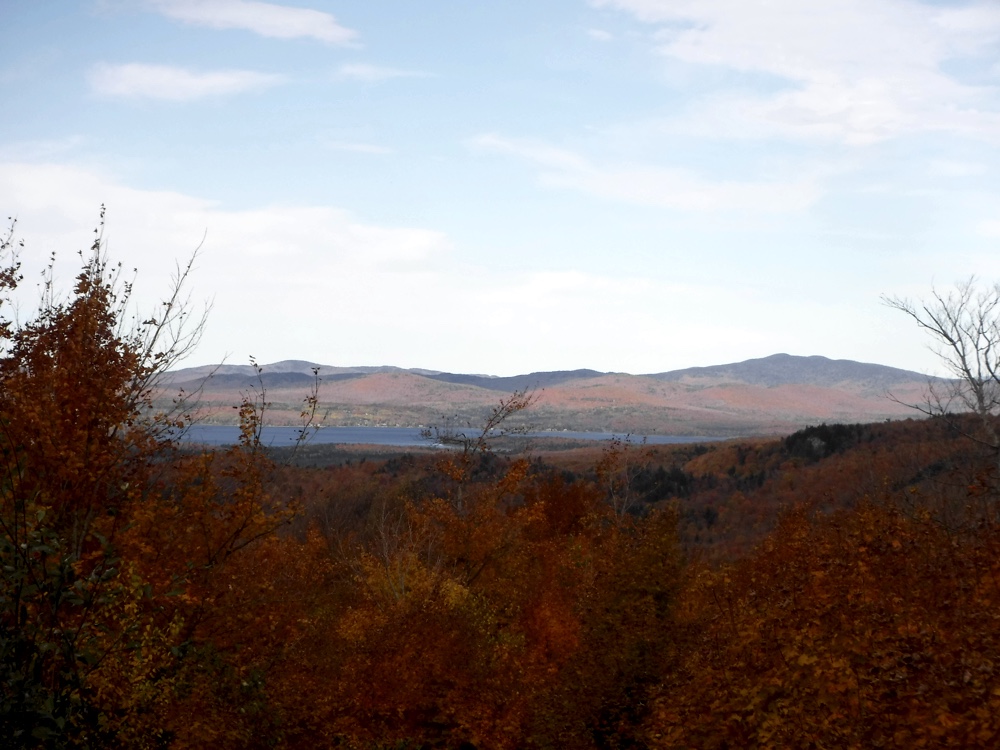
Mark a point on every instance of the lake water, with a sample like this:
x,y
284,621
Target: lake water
x,y
403,437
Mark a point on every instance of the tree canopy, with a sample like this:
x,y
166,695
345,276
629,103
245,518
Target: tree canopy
x,y
158,595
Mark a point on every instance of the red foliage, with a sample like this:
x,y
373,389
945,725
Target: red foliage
x,y
156,597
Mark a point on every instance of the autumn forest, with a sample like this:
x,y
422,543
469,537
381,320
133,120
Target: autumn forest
x,y
837,587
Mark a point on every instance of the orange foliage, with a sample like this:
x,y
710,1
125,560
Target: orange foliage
x,y
157,597
867,628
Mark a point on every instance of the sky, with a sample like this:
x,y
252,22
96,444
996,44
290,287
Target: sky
x,y
507,187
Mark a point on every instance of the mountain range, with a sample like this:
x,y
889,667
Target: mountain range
x,y
770,395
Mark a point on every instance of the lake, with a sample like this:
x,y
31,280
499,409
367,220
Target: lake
x,y
279,437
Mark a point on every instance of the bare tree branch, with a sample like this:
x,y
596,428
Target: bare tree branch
x,y
965,326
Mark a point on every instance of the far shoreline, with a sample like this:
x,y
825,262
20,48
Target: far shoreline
x,y
405,437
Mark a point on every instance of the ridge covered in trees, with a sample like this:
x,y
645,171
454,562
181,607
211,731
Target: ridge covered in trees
x,y
773,396
839,587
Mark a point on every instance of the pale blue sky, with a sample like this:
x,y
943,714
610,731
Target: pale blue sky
x,y
501,187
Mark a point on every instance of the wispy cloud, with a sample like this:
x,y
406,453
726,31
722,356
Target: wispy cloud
x,y
375,73
172,83
855,71
266,19
951,168
361,148
600,35
649,185
40,149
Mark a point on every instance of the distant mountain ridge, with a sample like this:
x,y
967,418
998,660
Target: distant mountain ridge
x,y
788,369
769,395
517,382
774,370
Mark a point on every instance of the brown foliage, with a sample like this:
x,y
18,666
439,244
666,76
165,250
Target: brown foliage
x,y
864,629
157,597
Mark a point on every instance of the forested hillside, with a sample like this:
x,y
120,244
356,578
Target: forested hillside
x,y
838,587
770,396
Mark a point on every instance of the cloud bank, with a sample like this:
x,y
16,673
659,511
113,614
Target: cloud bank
x,y
316,281
850,71
647,185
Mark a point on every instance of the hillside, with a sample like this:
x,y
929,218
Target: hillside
x,y
771,395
